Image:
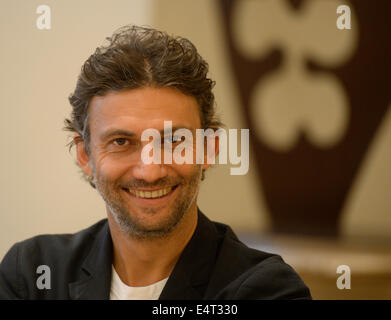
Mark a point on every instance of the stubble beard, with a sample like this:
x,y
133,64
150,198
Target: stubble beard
x,y
130,224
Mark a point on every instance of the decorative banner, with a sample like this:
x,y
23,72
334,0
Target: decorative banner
x,y
313,95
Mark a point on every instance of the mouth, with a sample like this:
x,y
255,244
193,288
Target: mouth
x,y
151,194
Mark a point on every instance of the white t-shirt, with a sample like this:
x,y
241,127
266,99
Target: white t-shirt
x,y
120,291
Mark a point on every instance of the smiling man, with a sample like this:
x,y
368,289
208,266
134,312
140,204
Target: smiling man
x,y
155,242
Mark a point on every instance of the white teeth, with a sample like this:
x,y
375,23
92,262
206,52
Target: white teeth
x,y
150,194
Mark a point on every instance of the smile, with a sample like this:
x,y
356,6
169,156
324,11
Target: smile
x,y
153,194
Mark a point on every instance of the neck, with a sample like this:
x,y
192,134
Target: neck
x,y
141,262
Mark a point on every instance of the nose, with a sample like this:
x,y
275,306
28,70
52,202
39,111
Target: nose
x,y
149,172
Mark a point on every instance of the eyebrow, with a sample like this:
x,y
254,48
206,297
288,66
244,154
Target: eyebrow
x,y
121,132
117,132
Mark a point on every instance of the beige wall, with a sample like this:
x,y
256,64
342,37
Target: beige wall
x,y
41,190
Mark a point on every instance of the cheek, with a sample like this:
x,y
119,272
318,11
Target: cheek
x,y
111,168
187,171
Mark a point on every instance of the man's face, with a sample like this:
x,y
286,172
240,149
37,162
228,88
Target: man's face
x,y
146,200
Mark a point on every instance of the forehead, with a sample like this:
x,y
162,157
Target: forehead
x,y
139,109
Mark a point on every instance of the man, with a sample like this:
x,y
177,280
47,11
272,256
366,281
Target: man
x,y
155,242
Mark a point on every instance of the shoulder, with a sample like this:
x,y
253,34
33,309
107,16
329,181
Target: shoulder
x,y
62,252
271,278
246,273
59,246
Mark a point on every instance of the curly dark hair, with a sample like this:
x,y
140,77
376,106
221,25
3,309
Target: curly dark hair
x,y
138,57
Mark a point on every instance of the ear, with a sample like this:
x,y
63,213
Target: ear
x,y
206,165
82,157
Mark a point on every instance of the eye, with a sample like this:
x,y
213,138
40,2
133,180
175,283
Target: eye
x,y
120,142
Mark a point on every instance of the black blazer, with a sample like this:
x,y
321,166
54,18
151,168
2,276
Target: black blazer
x,y
214,265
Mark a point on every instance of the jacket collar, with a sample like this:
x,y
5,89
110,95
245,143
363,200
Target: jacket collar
x,y
188,280
191,273
95,280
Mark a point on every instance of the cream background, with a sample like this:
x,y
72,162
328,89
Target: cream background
x,y
40,186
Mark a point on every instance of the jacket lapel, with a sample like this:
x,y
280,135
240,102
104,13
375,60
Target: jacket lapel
x,y
95,277
189,279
